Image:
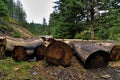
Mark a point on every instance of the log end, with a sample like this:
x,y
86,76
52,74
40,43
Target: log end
x,y
39,52
2,47
97,60
115,53
19,53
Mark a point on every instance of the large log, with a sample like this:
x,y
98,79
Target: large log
x,y
11,42
58,53
92,55
113,49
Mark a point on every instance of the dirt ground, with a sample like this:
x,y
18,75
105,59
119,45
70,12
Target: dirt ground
x,y
42,71
76,71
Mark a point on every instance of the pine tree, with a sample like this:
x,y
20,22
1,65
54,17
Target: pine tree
x,y
3,11
67,16
44,22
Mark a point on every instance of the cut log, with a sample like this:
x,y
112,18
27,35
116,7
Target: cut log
x,y
27,44
11,42
39,52
92,55
115,53
19,53
2,47
58,53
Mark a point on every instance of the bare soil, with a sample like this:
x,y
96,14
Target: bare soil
x,y
42,71
76,71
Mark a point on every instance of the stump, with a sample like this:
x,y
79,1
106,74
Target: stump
x,y
91,55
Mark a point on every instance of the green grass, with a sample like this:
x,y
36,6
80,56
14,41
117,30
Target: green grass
x,y
11,70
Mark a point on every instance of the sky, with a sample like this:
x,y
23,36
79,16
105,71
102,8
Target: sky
x,y
36,10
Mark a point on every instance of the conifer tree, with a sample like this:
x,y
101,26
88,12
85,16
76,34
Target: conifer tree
x,y
3,11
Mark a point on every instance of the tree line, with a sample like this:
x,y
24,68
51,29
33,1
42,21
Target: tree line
x,y
86,19
12,10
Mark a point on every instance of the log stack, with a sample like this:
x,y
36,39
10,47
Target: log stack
x,y
24,48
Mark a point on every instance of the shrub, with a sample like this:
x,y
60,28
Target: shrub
x,y
16,34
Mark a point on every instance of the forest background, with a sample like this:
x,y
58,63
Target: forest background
x,y
73,19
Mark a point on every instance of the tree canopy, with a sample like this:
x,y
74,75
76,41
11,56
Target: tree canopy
x,y
3,10
86,19
92,19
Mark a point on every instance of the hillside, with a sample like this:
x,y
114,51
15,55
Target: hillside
x,y
12,28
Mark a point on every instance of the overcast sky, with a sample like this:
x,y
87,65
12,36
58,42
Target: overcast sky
x,y
37,9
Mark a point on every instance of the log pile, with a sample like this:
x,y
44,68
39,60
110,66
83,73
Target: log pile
x,y
91,54
11,42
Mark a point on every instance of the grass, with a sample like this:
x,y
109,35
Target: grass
x,y
9,69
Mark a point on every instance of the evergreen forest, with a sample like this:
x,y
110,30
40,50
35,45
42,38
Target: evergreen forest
x,y
73,19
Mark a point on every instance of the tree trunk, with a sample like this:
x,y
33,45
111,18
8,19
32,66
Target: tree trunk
x,y
92,55
92,33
